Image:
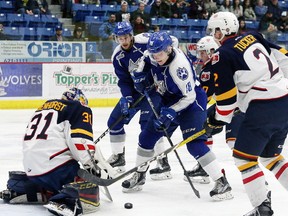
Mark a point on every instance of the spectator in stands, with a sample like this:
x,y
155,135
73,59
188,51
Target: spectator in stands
x,y
248,11
178,9
37,7
3,36
106,33
196,9
144,16
260,9
159,9
210,6
139,25
78,34
237,8
226,6
273,7
268,27
58,35
123,14
66,8
242,25
20,6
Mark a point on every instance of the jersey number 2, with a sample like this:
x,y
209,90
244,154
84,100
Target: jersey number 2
x,y
34,127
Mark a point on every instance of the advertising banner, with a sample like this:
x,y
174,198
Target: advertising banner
x,y
42,51
96,80
20,80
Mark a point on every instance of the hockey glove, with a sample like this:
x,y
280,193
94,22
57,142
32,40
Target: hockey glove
x,y
212,125
167,115
140,82
127,112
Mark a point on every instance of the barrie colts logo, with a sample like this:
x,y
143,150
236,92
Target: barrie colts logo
x,y
182,73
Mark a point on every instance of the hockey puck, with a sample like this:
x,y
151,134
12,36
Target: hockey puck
x,y
128,205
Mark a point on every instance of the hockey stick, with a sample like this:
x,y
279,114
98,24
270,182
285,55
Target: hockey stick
x,y
106,182
171,143
118,120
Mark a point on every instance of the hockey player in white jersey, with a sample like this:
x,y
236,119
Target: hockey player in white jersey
x,y
125,58
250,77
183,104
58,136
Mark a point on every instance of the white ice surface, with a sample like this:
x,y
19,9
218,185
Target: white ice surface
x,y
158,198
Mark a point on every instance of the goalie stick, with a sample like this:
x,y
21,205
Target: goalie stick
x,y
106,182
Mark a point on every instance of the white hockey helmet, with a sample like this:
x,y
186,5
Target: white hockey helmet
x,y
207,44
226,22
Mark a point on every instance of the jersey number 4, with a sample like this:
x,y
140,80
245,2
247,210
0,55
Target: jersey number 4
x,y
34,125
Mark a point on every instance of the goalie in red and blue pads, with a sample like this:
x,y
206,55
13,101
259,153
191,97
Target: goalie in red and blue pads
x,y
183,105
58,137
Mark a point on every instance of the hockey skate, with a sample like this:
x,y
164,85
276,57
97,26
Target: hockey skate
x,y
63,209
135,183
162,170
222,190
118,162
264,209
198,175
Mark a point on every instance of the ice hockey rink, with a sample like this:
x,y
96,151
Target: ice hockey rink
x,y
158,198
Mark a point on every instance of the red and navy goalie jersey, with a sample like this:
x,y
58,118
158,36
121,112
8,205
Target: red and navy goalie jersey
x,y
59,131
245,69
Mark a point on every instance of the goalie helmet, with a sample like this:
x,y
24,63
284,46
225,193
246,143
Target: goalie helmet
x,y
207,44
159,41
226,22
75,94
123,28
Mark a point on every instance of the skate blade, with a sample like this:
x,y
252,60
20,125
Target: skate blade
x,y
200,180
132,190
225,196
161,176
253,212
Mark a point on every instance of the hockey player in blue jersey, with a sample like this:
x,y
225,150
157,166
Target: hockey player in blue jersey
x,y
206,46
249,76
125,58
57,138
183,104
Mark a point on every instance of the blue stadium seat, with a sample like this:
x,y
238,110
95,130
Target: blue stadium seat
x,y
29,33
165,23
180,24
6,7
154,21
51,21
79,12
93,19
44,34
133,8
283,5
252,25
3,19
13,33
109,8
181,35
196,24
96,10
17,20
194,36
34,20
67,33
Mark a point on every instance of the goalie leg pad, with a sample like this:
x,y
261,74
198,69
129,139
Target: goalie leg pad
x,y
20,190
75,199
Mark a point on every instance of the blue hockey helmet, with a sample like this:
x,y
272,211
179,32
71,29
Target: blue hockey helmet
x,y
123,28
159,41
75,94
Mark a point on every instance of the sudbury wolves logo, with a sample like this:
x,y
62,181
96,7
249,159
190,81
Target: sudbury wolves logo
x,y
182,73
3,84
